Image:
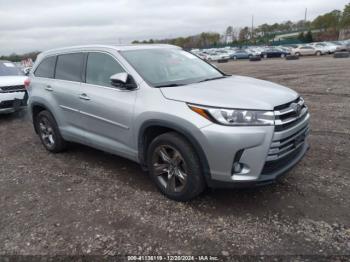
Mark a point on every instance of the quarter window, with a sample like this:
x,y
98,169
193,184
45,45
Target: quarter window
x,y
100,67
69,67
46,68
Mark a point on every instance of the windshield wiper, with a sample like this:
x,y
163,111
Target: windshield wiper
x,y
169,85
210,79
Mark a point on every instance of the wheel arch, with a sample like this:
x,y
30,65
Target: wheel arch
x,y
35,109
157,127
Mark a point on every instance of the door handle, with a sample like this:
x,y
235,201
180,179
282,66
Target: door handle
x,y
84,97
48,88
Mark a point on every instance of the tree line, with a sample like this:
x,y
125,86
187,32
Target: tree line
x,y
328,26
16,58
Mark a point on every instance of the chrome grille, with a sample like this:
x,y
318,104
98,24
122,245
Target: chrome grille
x,y
283,147
291,129
12,88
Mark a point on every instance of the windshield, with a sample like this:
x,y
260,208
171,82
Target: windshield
x,y
9,69
170,67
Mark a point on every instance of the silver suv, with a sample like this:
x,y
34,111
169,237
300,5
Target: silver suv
x,y
186,122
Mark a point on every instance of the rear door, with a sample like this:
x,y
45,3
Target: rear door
x,y
107,110
67,89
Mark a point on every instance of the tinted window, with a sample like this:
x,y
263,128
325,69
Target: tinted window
x,y
100,67
69,67
46,67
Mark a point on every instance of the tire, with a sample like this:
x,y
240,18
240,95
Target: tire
x,y
292,57
318,53
177,173
265,56
297,54
235,58
49,133
341,54
222,60
255,58
283,55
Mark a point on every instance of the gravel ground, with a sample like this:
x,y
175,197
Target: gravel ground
x,y
86,201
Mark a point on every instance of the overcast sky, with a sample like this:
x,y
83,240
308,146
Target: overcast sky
x,y
41,25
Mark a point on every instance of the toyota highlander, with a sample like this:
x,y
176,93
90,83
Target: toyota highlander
x,y
186,122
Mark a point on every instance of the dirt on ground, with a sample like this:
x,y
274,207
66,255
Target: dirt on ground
x,y
85,201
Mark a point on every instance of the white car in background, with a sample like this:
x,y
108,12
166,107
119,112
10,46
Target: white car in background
x,y
13,95
305,50
326,47
215,56
332,47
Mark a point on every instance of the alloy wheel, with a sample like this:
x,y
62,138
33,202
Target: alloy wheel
x,y
46,132
170,168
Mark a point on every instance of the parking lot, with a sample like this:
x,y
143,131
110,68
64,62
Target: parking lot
x,y
85,201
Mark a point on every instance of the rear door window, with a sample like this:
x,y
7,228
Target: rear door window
x,y
69,67
100,67
46,68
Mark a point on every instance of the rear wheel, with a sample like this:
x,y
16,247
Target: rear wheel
x,y
283,55
235,58
49,133
297,54
265,56
318,53
174,167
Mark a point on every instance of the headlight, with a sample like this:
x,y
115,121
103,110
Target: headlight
x,y
236,117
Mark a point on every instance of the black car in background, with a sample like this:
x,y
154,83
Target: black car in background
x,y
274,52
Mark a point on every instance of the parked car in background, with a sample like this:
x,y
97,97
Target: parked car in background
x,y
344,46
273,52
216,56
256,50
325,47
305,50
13,96
322,47
241,54
186,122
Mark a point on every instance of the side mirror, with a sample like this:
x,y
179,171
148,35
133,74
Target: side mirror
x,y
123,80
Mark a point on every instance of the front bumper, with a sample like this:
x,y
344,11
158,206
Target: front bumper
x,y
253,148
13,101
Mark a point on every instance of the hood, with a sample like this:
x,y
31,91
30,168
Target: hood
x,y
233,92
12,80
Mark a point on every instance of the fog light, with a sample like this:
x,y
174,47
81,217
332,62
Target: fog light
x,y
237,167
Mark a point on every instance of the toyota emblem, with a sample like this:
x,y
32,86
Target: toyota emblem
x,y
296,108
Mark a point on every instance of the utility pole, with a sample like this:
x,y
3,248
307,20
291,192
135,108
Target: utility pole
x,y
305,18
252,27
305,15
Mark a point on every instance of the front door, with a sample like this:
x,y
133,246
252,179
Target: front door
x,y
107,110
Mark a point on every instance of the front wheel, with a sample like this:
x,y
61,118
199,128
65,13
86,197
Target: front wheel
x,y
318,53
174,167
265,56
49,133
283,55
